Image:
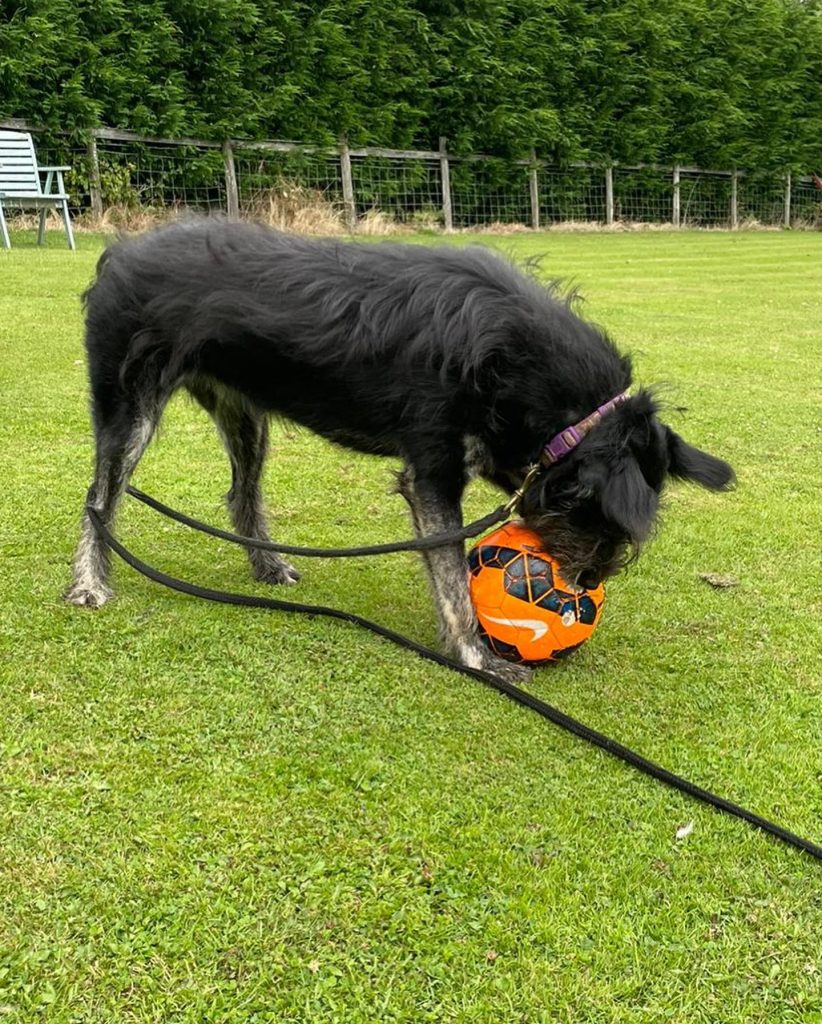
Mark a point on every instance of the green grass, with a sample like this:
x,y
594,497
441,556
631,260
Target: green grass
x,y
220,815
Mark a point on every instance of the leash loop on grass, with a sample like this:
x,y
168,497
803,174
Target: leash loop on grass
x,y
511,691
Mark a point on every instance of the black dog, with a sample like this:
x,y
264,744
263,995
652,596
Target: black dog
x,y
447,357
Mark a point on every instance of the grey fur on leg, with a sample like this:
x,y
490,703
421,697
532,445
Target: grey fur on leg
x,y
448,577
116,461
244,432
89,587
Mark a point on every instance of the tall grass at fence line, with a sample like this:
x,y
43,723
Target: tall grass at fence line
x,y
298,209
292,207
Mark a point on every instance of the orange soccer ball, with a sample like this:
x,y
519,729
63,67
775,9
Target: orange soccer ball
x,y
526,610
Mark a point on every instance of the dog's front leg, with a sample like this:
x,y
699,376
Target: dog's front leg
x,y
433,511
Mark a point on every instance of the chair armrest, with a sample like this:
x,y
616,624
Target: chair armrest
x,y
50,173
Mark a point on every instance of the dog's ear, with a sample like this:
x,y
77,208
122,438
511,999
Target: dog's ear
x,y
689,463
625,496
629,501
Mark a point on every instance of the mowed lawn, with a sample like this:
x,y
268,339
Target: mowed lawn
x,y
221,815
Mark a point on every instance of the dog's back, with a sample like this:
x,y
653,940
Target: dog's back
x,y
322,303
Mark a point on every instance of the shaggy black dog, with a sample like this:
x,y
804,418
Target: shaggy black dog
x,y
448,358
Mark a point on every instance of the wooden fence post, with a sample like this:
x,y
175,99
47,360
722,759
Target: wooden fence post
x,y
609,195
349,202
533,183
232,193
786,221
735,199
675,209
95,186
445,179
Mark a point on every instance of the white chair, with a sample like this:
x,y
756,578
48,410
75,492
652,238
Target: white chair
x,y
21,185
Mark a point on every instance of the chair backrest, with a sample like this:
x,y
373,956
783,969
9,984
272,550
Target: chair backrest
x,y
18,165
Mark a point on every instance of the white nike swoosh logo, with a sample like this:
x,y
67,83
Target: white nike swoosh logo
x,y
539,628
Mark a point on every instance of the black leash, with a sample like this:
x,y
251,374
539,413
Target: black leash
x,y
515,693
436,540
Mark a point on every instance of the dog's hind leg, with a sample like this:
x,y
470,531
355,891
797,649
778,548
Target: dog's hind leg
x,y
436,509
120,444
244,432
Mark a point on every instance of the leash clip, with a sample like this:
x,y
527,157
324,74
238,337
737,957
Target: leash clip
x,y
519,493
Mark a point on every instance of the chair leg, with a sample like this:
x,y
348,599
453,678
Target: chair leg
x,y
4,231
41,233
67,222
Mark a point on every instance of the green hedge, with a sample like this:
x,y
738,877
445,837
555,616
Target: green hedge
x,y
713,82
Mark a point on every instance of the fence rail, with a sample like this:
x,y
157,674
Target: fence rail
x,y
113,168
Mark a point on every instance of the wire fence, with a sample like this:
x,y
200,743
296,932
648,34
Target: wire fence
x,y
116,175
579,196
406,191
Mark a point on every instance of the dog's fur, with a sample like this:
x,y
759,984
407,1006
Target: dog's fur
x,y
449,358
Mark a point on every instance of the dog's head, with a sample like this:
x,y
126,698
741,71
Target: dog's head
x,y
595,507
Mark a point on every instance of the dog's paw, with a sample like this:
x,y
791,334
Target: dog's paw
x,y
475,656
278,573
510,671
87,595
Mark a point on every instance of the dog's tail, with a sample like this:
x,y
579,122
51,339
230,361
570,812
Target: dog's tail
x,y
86,296
120,329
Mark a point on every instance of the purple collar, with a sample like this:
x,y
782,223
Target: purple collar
x,y
566,440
